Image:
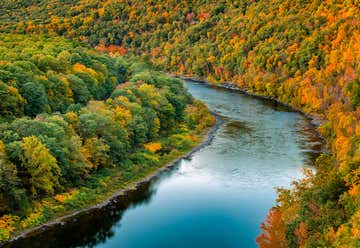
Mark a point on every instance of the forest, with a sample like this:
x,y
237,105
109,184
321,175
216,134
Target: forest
x,y
75,124
303,53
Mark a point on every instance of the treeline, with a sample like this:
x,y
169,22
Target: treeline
x,y
305,53
67,116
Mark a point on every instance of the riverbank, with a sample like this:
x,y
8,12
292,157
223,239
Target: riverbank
x,y
128,189
243,164
315,121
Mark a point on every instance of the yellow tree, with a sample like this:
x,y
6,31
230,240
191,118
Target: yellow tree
x,y
96,153
40,165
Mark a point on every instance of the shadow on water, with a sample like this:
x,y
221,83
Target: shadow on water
x,y
237,126
95,226
233,129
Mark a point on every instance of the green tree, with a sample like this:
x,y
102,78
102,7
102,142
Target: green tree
x,y
35,97
9,182
78,87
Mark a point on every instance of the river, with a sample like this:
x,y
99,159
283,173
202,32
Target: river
x,y
218,198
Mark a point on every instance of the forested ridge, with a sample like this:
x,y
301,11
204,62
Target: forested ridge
x,y
304,53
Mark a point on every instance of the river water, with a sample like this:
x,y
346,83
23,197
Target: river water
x,y
218,198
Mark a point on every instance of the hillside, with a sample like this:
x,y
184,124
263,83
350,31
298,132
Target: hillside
x,y
304,53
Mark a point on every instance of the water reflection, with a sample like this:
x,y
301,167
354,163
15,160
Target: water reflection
x,y
95,227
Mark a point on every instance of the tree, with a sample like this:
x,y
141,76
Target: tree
x,y
48,62
41,167
12,103
354,90
35,97
78,87
9,182
273,234
101,126
96,152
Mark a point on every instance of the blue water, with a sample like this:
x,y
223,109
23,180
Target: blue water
x,y
219,197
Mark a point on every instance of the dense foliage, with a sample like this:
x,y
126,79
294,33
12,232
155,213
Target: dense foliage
x,y
50,74
57,134
305,53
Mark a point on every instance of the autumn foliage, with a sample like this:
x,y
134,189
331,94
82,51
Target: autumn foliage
x,y
273,234
303,53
